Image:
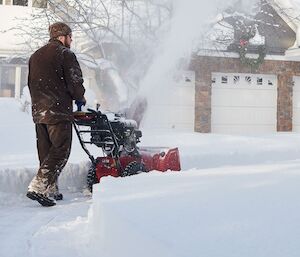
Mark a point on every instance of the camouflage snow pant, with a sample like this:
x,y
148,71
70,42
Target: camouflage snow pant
x,y
54,146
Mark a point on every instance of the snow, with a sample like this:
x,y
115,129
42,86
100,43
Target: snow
x,y
289,11
236,211
235,196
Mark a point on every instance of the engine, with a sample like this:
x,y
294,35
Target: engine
x,y
112,132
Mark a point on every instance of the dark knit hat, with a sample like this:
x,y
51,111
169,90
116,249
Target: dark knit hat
x,y
59,29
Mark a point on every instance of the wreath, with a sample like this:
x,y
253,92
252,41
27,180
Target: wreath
x,y
253,63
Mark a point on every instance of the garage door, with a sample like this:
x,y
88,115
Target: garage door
x,y
172,105
296,104
244,103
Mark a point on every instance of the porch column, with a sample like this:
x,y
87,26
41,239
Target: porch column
x,y
18,82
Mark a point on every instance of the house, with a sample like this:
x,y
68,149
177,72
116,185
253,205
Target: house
x,y
245,79
253,83
92,44
14,52
13,67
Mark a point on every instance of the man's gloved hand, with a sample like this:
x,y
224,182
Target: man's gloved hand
x,y
80,104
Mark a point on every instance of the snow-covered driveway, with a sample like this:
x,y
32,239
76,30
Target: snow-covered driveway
x,y
29,230
236,196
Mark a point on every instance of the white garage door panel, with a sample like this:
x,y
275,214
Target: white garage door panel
x,y
296,116
243,116
181,114
296,119
244,103
181,95
296,95
296,128
166,116
172,105
242,97
238,129
296,99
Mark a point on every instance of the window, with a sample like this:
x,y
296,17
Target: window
x,y
7,81
236,79
213,80
259,81
20,2
248,79
187,79
270,83
224,80
39,3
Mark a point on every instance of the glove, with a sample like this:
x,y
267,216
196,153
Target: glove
x,y
80,104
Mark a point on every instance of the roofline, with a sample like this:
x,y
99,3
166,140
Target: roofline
x,y
292,55
287,19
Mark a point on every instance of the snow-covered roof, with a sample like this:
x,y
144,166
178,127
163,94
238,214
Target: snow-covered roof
x,y
92,63
289,11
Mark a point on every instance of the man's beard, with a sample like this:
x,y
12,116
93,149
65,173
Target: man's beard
x,y
66,43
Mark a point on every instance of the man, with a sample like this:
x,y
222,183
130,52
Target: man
x,y
54,81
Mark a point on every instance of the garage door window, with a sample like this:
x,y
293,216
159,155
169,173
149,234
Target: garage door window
x,y
248,79
236,79
224,79
259,81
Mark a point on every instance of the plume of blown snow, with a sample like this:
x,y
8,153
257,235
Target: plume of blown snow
x,y
191,20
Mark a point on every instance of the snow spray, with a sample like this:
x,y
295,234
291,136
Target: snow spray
x,y
191,20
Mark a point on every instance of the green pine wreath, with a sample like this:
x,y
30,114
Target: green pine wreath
x,y
253,63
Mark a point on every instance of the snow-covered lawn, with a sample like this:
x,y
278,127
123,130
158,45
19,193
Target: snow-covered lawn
x,y
236,196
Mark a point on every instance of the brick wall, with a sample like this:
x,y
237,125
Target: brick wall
x,y
205,65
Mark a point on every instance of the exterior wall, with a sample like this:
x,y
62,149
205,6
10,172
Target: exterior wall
x,y
13,69
205,65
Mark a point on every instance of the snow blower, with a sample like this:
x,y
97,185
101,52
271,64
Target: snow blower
x,y
118,138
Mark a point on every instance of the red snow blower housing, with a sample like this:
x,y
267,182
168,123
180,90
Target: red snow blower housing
x,y
118,138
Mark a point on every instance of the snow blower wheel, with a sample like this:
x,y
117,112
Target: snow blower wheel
x,y
91,177
133,168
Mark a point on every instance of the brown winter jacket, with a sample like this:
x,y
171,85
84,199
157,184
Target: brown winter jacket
x,y
54,80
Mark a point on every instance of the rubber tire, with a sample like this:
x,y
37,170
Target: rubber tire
x,y
91,177
133,168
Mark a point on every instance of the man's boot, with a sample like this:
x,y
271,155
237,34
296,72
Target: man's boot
x,y
53,192
37,192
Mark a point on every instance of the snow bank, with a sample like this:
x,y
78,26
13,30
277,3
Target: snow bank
x,y
239,211
18,155
200,151
73,178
